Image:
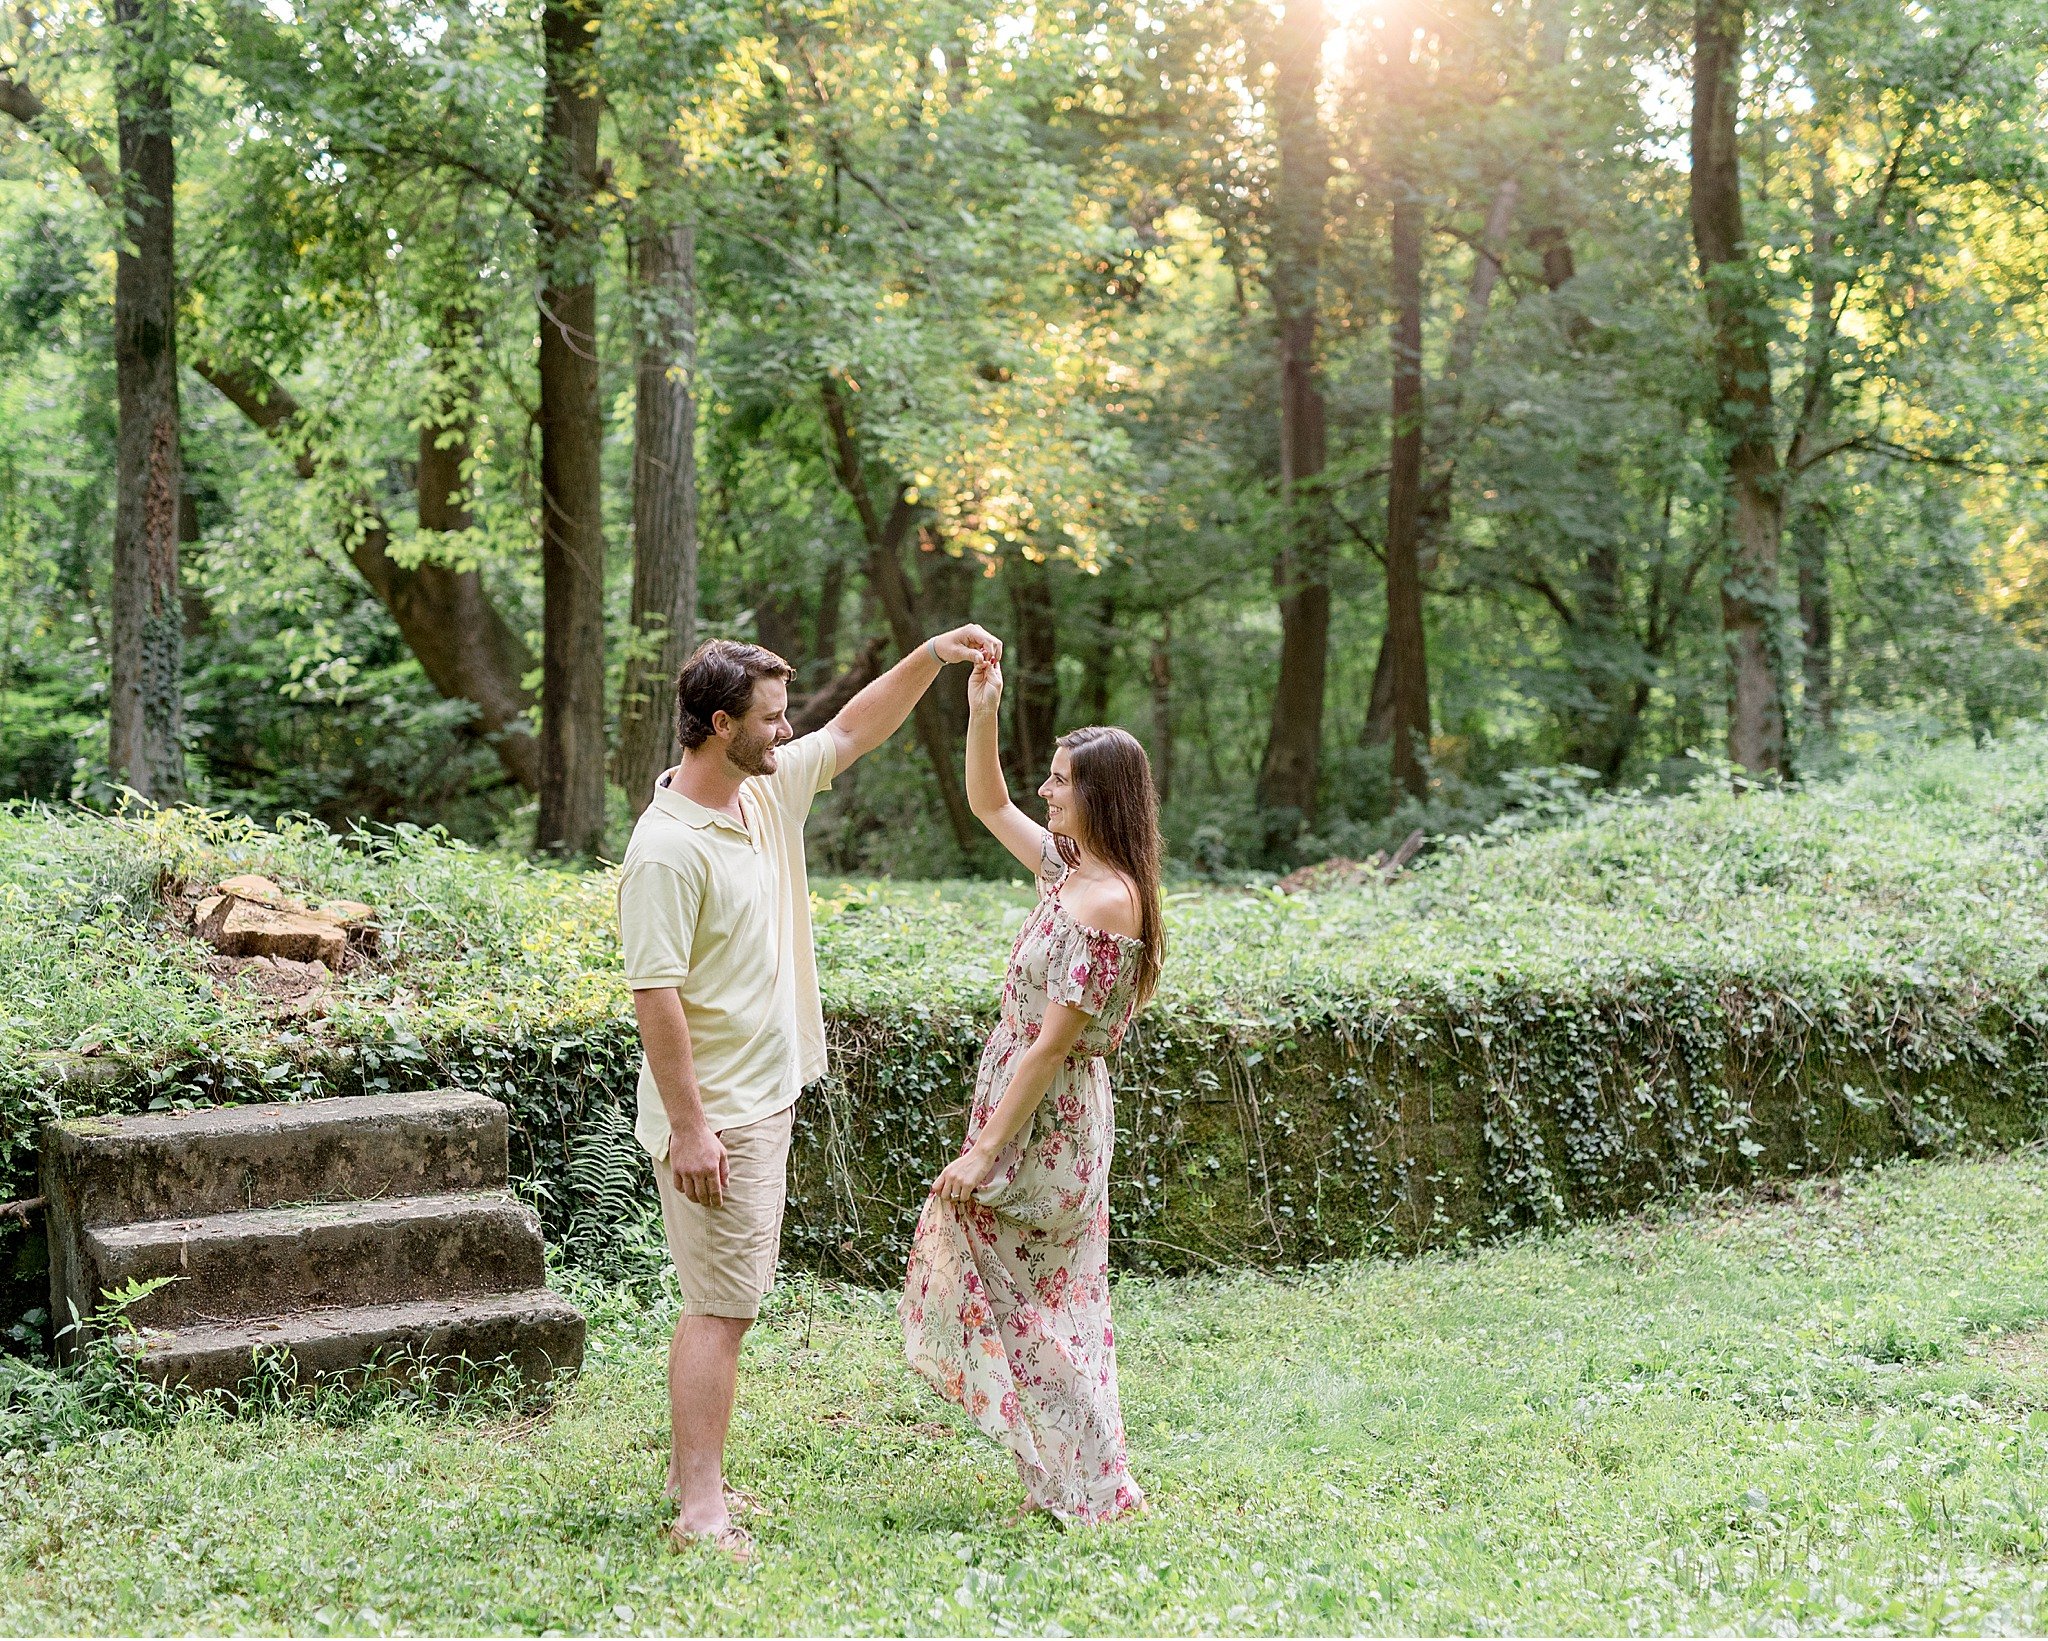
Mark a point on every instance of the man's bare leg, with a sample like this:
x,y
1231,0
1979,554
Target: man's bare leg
x,y
703,1378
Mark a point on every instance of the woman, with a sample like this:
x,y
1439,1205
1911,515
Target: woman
x,y
1006,1309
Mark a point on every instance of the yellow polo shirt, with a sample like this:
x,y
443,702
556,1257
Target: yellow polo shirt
x,y
722,912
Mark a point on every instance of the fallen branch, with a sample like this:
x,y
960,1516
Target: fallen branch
x,y
1411,846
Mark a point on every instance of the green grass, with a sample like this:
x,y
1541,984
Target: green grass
x,y
1829,1412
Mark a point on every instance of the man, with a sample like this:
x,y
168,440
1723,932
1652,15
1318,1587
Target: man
x,y
715,920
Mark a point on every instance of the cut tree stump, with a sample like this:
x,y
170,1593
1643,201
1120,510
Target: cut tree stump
x,y
250,916
361,1235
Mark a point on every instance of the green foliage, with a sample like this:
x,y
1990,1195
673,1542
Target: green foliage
x,y
1823,1411
1029,250
1557,1022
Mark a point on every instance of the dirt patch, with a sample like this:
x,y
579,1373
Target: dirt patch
x,y
283,987
2022,1351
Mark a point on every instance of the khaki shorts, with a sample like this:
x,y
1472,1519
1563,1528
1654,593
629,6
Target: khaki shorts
x,y
726,1255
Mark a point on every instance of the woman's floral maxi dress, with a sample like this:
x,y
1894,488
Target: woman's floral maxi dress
x,y
1006,1308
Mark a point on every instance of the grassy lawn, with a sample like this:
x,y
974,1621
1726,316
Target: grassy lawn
x,y
1828,1412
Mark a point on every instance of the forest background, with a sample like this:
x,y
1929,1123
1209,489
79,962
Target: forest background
x,y
1394,410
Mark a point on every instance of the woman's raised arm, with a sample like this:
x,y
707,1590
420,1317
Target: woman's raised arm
x,y
988,795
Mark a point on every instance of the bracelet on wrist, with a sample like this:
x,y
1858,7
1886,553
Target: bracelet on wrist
x,y
932,644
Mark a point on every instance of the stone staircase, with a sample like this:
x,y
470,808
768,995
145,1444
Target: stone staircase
x,y
354,1232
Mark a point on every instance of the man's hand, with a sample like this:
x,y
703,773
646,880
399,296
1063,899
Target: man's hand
x,y
697,1160
878,711
968,643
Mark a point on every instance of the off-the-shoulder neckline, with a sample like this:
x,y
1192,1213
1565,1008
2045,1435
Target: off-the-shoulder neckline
x,y
1089,928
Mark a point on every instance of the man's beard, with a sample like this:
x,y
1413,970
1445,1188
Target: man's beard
x,y
751,756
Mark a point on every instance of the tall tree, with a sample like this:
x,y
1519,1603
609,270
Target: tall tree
x,y
572,750
1292,767
145,730
1405,646
1738,311
461,639
885,536
1809,528
664,608
1440,448
1034,657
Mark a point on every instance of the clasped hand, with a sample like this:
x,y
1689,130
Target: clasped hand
x,y
964,1175
985,686
968,643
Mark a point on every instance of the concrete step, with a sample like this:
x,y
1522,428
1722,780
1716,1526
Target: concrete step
x,y
271,1260
536,1333
193,1164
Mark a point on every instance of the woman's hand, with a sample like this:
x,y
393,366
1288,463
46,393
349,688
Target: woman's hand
x,y
964,1175
985,686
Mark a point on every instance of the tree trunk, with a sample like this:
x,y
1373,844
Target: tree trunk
x,y
145,726
822,705
1560,267
1816,613
1810,515
825,630
943,596
778,618
1436,493
1097,657
1407,654
1292,767
447,426
1033,673
899,606
1598,739
1379,701
1738,310
464,645
1162,709
664,607
572,752
1486,271
898,599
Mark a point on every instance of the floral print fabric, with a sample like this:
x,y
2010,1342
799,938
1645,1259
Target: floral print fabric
x,y
1006,1307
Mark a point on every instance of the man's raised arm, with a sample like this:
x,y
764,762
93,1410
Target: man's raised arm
x,y
878,711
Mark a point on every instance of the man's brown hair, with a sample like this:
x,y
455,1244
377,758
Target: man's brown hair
x,y
720,677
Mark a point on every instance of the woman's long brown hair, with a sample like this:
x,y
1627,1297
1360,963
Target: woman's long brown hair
x,y
1120,813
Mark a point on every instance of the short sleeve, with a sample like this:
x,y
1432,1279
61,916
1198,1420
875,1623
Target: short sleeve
x,y
1081,966
803,769
658,906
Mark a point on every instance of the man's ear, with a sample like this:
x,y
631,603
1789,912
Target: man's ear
x,y
721,725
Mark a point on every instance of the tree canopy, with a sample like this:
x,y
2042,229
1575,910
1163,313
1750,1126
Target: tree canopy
x,y
1361,402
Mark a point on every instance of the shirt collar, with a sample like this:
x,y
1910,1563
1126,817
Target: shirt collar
x,y
692,813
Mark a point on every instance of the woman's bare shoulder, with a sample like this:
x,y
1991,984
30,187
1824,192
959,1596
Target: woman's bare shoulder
x,y
1107,903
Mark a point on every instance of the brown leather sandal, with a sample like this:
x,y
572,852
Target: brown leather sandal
x,y
731,1540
